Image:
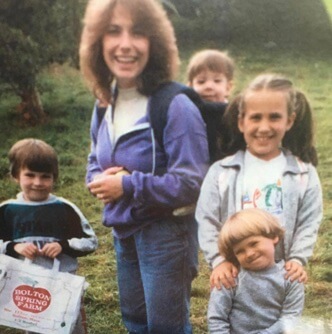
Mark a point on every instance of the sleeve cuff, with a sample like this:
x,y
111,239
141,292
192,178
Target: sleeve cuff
x,y
297,261
64,244
10,251
217,261
127,185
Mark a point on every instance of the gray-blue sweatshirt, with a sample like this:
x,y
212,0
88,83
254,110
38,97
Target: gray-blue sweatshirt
x,y
263,302
221,196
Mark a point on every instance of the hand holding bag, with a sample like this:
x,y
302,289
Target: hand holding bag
x,y
37,299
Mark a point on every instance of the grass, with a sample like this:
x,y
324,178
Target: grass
x,y
69,104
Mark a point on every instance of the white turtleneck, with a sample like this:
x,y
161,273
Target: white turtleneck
x,y
130,107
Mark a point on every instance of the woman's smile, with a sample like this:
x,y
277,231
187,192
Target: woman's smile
x,y
126,50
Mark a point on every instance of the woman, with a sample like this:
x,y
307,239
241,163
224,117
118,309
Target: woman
x,y
127,52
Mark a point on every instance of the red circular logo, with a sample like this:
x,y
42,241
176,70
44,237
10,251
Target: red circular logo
x,y
31,299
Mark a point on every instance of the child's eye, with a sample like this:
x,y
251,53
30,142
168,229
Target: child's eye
x,y
275,116
255,117
47,176
29,174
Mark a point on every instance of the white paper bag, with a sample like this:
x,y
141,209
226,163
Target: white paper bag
x,y
36,299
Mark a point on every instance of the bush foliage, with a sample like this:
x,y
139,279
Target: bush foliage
x,y
303,25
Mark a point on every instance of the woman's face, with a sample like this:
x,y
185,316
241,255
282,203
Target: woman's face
x,y
125,48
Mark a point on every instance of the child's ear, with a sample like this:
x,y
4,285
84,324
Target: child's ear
x,y
291,120
275,240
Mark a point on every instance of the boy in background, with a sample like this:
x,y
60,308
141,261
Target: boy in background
x,y
263,301
210,73
37,224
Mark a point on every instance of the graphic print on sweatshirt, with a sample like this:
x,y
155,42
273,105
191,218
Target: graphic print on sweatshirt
x,y
262,184
268,198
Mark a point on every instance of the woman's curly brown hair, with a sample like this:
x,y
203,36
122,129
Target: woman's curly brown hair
x,y
150,17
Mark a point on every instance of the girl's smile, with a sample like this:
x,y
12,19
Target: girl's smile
x,y
264,122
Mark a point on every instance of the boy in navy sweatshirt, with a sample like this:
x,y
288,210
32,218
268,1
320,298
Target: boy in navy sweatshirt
x,y
37,224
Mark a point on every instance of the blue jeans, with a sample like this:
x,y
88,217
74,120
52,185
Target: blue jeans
x,y
156,266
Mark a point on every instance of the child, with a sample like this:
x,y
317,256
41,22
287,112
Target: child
x,y
210,74
266,175
37,224
262,302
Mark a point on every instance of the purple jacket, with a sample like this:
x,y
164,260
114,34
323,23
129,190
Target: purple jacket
x,y
160,180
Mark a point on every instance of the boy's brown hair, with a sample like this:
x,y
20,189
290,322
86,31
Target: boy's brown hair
x,y
212,60
34,154
244,224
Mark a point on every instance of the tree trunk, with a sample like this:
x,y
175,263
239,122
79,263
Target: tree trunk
x,y
30,109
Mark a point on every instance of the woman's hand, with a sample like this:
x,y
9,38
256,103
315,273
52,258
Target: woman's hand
x,y
107,186
295,271
109,171
223,275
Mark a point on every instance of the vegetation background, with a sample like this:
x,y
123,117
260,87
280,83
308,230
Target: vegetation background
x,y
68,105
